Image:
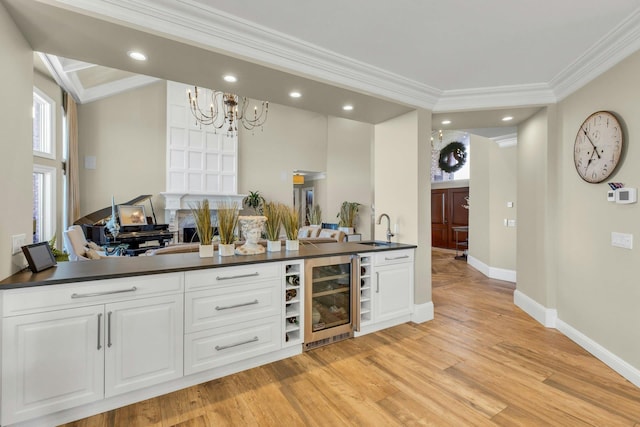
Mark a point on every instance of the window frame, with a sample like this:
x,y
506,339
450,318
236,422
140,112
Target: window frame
x,y
48,205
47,125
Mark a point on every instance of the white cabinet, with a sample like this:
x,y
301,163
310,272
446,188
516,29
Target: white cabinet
x,y
113,337
51,361
232,314
292,291
386,293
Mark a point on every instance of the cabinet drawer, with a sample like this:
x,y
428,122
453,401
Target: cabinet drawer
x,y
55,297
231,275
393,257
231,304
218,347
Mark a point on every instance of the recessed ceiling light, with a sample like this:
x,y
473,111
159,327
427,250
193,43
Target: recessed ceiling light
x,y
507,118
446,122
138,56
229,78
347,107
295,94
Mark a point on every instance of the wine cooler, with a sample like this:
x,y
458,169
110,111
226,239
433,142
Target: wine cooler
x,y
331,299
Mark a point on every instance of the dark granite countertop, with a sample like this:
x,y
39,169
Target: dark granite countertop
x,y
117,267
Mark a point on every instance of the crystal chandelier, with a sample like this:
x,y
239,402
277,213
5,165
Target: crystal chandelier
x,y
226,108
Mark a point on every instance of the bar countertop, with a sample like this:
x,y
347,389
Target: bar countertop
x,y
118,267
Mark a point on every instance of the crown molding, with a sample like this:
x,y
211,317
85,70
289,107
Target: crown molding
x,y
495,97
615,46
109,89
506,141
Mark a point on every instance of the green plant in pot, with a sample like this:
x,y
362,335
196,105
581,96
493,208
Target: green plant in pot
x,y
202,218
255,201
291,226
227,222
315,215
274,213
347,216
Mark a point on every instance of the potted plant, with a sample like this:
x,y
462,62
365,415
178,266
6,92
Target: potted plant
x,y
202,219
315,216
255,201
291,226
227,222
273,212
347,215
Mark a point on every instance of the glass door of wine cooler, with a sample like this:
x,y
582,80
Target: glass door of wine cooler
x,y
329,299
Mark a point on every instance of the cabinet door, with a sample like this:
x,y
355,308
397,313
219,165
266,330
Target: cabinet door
x,y
51,361
393,291
143,343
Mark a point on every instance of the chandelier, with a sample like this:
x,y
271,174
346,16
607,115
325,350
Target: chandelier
x,y
226,108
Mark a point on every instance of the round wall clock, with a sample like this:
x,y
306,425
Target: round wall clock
x,y
598,146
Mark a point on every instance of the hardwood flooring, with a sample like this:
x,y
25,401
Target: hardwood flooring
x,y
480,362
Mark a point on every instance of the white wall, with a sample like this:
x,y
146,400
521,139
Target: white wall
x,y
127,135
16,164
480,199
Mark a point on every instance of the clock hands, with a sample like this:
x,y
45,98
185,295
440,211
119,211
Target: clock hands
x,y
589,139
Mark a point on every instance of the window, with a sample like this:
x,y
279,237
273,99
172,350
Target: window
x,y
43,125
44,178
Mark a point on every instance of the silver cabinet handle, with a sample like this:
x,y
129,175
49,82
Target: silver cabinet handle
x,y
98,294
444,219
224,347
397,257
238,276
227,307
99,331
109,329
377,282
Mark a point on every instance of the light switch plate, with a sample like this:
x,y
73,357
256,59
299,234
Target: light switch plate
x,y
17,242
622,240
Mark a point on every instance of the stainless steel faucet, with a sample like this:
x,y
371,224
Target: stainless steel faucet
x,y
389,233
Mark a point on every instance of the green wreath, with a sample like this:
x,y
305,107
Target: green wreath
x,y
452,157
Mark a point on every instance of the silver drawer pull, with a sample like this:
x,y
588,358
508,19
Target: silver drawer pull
x,y
98,294
224,347
240,276
227,307
397,257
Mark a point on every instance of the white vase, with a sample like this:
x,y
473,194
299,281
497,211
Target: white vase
x,y
205,251
226,249
274,245
347,230
292,245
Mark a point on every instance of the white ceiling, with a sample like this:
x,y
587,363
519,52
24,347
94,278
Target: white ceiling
x,y
453,57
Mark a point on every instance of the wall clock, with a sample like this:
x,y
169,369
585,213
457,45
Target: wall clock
x,y
598,146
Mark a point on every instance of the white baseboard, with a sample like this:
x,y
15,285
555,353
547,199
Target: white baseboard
x,y
614,362
422,312
492,272
546,316
549,318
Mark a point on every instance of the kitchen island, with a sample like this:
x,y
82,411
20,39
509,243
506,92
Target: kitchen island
x,y
85,337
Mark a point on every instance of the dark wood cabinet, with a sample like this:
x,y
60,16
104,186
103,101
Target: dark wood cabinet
x,y
447,211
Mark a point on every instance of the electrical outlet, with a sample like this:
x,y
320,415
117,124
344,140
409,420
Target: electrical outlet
x,y
17,242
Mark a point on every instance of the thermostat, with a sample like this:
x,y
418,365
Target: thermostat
x,y
626,195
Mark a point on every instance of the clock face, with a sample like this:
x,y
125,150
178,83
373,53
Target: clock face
x,y
598,147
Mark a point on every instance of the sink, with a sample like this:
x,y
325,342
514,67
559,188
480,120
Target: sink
x,y
375,243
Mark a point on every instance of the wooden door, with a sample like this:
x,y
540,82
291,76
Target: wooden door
x,y
459,216
439,227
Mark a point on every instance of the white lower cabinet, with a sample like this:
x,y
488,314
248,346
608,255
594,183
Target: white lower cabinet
x,y
60,359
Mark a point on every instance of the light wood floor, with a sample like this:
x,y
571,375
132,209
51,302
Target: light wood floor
x,y
482,361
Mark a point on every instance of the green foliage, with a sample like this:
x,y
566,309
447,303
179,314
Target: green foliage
x,y
348,213
274,213
57,253
290,222
202,218
315,215
255,201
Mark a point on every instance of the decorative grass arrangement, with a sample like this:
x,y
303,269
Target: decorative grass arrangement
x,y
202,218
227,221
290,222
348,213
274,213
315,215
